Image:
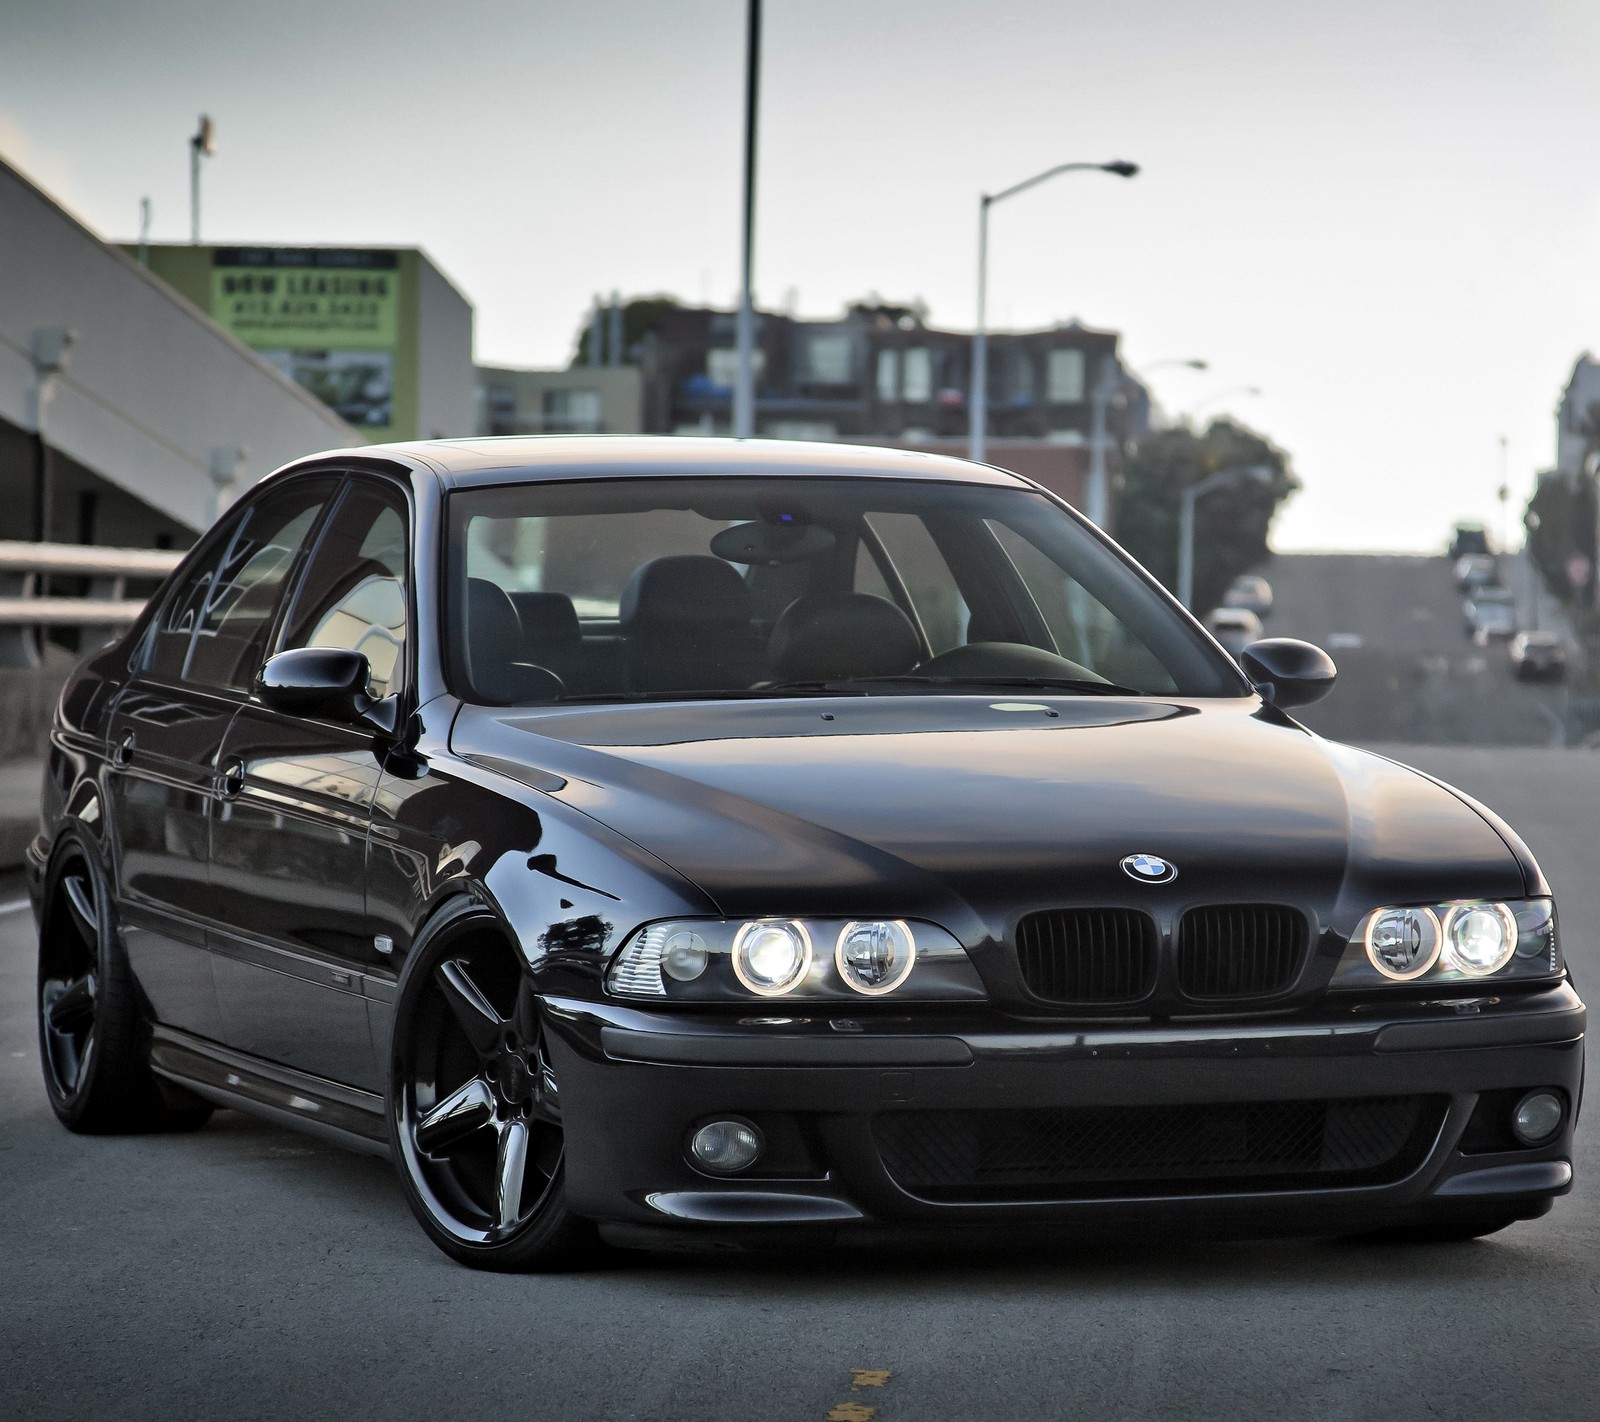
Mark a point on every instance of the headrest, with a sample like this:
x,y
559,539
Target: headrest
x,y
493,632
684,588
829,636
547,617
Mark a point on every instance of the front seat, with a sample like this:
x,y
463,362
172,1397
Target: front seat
x,y
830,636
687,623
494,649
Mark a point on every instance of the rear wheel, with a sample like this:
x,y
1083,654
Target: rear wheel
x,y
474,1110
93,1042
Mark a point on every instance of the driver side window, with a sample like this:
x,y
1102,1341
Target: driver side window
x,y
354,593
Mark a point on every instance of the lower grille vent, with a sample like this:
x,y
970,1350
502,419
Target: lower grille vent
x,y
1144,1150
1240,950
1088,955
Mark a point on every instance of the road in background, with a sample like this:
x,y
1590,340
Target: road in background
x,y
245,1271
1407,671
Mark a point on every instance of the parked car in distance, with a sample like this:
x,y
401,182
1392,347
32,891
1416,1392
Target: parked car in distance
x,y
1468,538
1252,592
1476,570
1538,656
1235,627
629,840
1489,613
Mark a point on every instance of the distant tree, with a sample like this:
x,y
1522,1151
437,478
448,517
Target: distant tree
x,y
1231,523
640,316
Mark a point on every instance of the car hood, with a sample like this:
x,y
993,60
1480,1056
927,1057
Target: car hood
x,y
965,809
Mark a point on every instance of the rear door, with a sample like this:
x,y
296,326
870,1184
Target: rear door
x,y
166,733
293,946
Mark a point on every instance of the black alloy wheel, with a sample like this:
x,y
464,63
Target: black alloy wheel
x,y
475,1111
93,1040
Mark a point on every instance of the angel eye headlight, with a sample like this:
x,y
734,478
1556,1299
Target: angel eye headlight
x,y
875,957
1479,939
772,956
1403,943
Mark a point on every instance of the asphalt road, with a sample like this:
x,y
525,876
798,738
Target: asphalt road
x,y
247,1272
1407,671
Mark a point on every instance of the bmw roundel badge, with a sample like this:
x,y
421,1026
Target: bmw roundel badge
x,y
1149,869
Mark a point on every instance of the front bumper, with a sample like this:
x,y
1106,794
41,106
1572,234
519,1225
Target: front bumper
x,y
634,1083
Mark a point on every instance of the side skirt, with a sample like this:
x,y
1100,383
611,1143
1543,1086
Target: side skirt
x,y
342,1114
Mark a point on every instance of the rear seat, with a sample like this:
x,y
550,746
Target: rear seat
x,y
552,637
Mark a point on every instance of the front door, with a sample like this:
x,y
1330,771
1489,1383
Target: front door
x,y
166,734
293,947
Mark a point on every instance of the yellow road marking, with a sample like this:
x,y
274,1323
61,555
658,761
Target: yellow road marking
x,y
867,1377
852,1412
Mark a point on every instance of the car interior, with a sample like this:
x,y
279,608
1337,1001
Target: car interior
x,y
793,595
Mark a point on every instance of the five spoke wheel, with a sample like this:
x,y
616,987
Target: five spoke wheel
x,y
477,1109
69,982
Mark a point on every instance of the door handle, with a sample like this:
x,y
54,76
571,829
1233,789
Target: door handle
x,y
230,783
122,755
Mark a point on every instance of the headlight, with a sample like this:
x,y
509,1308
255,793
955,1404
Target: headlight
x,y
1479,939
1403,943
875,957
1455,942
707,960
770,958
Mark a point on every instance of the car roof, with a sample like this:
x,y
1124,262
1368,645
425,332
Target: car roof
x,y
464,463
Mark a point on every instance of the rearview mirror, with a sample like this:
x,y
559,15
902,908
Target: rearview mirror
x,y
1288,672
316,681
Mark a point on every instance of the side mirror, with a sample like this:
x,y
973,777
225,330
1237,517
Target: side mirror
x,y
316,681
1288,672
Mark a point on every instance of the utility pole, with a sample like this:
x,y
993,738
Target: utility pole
x,y
202,145
744,388
1097,502
144,232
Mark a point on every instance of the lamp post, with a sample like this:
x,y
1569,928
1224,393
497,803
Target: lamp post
x,y
978,413
202,145
744,379
1258,473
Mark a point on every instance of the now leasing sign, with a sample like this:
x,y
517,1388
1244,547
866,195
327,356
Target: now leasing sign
x,y
327,318
295,298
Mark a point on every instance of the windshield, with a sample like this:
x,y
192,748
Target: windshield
x,y
627,589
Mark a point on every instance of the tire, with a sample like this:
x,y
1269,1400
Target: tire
x,y
474,1110
94,1041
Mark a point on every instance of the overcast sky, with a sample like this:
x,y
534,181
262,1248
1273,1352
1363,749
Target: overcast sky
x,y
1385,215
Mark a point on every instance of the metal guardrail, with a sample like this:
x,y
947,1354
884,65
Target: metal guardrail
x,y
101,612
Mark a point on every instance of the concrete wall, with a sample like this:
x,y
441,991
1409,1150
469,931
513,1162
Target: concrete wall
x,y
511,400
446,381
153,386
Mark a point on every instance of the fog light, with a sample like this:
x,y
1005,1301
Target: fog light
x,y
1538,1117
725,1147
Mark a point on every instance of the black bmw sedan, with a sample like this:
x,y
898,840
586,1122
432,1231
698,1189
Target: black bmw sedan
x,y
662,841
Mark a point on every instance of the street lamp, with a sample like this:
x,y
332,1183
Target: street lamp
x,y
202,145
1256,473
979,404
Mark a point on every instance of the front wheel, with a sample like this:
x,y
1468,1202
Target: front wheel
x,y
474,1109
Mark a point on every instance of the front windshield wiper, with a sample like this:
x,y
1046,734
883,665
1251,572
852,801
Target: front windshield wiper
x,y
1072,685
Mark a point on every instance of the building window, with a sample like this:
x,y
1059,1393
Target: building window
x,y
888,376
1066,376
918,374
570,411
722,365
828,359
